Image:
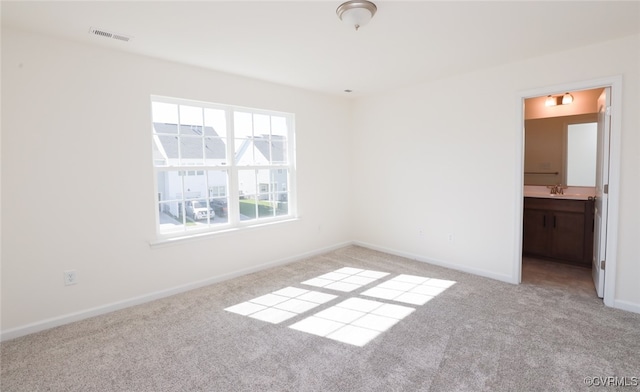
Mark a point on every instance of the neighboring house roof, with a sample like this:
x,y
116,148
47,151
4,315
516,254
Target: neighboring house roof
x,y
167,135
277,144
262,144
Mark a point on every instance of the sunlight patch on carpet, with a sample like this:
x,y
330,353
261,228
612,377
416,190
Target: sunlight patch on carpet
x,y
355,321
410,289
346,279
281,305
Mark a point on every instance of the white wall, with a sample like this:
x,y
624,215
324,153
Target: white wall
x,y
442,156
78,181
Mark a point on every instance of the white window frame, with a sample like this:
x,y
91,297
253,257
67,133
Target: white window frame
x,y
232,169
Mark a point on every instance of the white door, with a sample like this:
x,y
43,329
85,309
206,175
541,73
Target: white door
x,y
602,198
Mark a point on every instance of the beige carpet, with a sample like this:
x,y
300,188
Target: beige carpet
x,y
477,335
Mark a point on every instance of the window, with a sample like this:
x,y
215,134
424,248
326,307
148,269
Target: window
x,y
219,166
582,150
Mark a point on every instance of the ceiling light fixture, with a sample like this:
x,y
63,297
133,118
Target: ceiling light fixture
x,y
356,12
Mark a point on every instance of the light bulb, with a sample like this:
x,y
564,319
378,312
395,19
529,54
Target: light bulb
x,y
567,99
550,101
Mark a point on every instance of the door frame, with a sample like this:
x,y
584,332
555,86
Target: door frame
x,y
615,83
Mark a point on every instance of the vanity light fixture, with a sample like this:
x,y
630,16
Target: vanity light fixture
x,y
558,100
550,101
567,99
356,12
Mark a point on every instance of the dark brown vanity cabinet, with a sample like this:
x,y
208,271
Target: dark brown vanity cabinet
x,y
558,229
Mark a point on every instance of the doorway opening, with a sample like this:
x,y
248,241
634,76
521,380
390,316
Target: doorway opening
x,y
567,212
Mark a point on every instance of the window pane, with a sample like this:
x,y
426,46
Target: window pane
x,y
282,207
258,151
171,219
278,126
242,125
218,195
195,186
262,150
246,192
266,208
165,117
215,151
248,206
266,187
220,207
159,156
215,122
170,207
244,151
261,125
246,182
278,150
191,151
280,180
169,187
191,115
217,181
168,144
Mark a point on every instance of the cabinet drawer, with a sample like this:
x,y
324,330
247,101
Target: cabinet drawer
x,y
555,204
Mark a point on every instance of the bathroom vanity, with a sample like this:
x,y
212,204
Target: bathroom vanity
x,y
559,227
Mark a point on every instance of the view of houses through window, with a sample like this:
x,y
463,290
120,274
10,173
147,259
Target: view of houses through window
x,y
220,166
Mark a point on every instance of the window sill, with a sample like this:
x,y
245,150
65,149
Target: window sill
x,y
166,241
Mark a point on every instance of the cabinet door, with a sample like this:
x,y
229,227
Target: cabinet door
x,y
568,236
535,234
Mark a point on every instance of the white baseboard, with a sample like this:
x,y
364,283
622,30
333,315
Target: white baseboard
x,y
625,305
439,263
103,309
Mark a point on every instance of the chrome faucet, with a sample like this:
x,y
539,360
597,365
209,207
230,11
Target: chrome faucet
x,y
556,189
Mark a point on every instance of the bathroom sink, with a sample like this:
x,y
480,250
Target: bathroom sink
x,y
572,196
570,193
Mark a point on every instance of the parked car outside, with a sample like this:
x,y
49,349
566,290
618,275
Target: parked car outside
x,y
219,206
197,210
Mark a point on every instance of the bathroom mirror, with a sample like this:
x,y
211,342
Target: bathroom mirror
x,y
561,150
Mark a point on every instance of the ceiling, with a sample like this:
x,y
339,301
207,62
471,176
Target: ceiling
x,y
303,43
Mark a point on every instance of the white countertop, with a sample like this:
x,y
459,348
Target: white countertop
x,y
570,193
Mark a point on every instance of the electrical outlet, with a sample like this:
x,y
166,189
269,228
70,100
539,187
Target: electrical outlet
x,y
70,277
420,232
450,237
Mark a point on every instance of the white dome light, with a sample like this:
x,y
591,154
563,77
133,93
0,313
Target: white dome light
x,y
356,13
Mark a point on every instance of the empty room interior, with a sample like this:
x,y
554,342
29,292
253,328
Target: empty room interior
x,y
320,196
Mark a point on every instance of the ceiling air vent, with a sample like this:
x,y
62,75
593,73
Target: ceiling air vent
x,y
109,34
